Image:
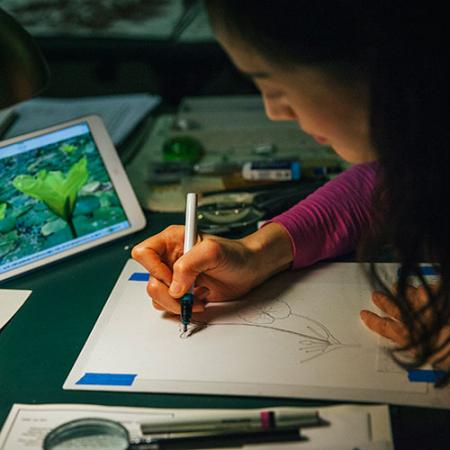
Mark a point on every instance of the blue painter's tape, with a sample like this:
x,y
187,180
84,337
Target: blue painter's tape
x,y
428,270
107,379
425,376
139,276
424,270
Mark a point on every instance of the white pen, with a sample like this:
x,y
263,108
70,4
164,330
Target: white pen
x,y
190,237
262,420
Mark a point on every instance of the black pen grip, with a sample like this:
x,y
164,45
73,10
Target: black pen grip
x,y
186,308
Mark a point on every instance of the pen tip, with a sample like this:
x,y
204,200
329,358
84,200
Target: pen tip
x,y
185,328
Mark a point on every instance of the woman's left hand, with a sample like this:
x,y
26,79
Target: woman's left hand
x,y
392,327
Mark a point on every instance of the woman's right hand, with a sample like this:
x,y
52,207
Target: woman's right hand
x,y
222,269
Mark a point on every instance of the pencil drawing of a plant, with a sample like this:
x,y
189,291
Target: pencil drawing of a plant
x,y
315,338
57,191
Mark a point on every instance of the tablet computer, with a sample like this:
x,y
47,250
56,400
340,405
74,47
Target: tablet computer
x,y
63,190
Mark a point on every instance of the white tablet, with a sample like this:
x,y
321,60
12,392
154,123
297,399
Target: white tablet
x,y
63,190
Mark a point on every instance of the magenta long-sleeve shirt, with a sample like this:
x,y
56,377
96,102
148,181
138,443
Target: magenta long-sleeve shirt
x,y
329,222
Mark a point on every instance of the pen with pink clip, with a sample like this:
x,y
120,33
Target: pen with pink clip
x,y
245,421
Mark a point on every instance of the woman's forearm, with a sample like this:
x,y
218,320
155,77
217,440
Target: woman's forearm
x,y
271,250
330,221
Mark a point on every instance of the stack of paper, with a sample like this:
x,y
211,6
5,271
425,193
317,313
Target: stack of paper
x,y
121,113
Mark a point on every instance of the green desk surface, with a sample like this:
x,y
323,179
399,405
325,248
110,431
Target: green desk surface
x,y
40,344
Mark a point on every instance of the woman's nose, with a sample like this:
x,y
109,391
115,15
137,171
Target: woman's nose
x,y
276,109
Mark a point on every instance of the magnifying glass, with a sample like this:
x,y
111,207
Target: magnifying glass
x,y
93,434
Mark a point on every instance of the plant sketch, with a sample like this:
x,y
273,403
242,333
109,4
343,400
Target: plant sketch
x,y
314,338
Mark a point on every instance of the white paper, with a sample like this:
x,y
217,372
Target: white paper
x,y
121,113
10,302
298,335
27,425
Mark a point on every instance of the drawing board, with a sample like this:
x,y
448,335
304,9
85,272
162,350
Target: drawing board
x,y
298,335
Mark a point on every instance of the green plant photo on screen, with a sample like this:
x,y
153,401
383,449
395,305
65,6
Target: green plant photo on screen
x,y
57,191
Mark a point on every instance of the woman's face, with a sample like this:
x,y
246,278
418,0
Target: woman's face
x,y
333,113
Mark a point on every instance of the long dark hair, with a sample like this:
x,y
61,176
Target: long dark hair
x,y
402,53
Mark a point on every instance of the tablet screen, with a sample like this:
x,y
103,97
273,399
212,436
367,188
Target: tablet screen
x,y
55,194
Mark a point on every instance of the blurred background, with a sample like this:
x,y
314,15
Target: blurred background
x,y
102,47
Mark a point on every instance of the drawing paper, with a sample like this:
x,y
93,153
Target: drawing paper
x,y
298,335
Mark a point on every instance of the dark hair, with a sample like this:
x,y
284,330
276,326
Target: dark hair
x,y
400,49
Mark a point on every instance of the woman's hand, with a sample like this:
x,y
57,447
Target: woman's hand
x,y
392,327
222,269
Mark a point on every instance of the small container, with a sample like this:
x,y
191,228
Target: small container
x,y
274,170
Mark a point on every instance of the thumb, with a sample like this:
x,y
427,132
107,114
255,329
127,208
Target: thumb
x,y
201,258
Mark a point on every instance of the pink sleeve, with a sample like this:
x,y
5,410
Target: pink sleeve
x,y
329,222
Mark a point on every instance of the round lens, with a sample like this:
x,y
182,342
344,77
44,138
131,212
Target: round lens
x,y
90,434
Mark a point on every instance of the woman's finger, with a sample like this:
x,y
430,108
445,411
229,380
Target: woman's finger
x,y
201,292
197,307
159,293
160,296
152,261
202,257
385,326
157,306
383,302
417,298
157,253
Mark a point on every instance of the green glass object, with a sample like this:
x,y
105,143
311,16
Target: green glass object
x,y
183,149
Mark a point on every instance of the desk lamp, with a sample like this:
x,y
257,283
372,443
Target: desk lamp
x,y
23,71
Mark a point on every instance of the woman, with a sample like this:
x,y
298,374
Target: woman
x,y
371,80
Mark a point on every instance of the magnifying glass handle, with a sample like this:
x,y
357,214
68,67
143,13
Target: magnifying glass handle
x,y
142,445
